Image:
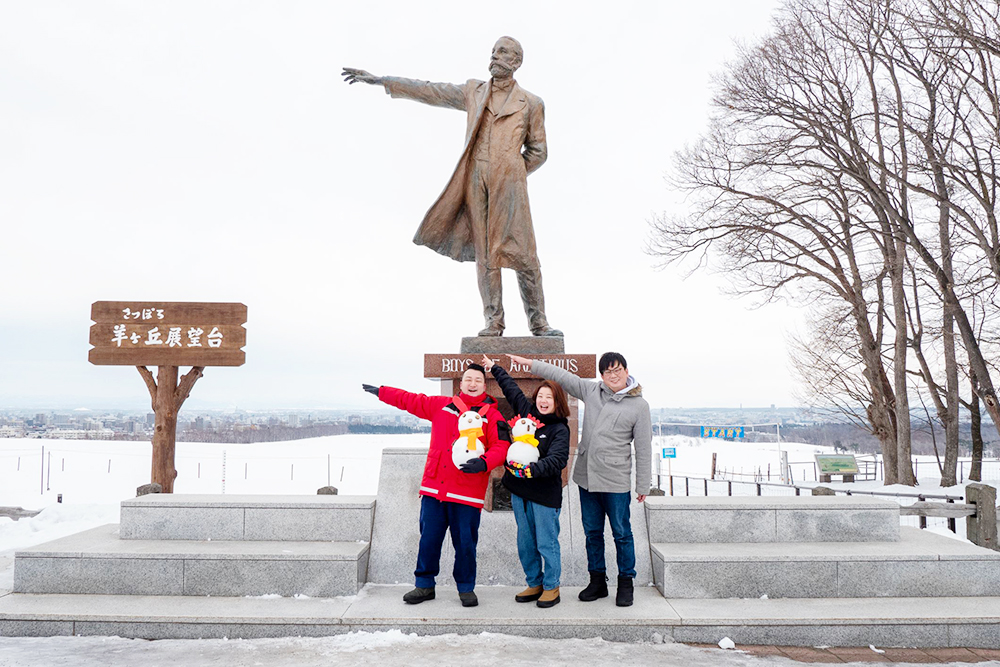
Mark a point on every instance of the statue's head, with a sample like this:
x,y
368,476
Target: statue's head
x,y
506,58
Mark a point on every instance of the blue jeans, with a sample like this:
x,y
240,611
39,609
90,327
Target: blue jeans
x,y
538,541
462,521
615,506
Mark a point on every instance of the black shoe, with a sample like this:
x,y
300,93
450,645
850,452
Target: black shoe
x,y
623,598
468,599
418,595
597,588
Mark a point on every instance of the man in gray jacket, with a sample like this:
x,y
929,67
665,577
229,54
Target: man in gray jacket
x,y
616,419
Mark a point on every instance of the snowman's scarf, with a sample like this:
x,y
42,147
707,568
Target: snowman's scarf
x,y
527,438
473,435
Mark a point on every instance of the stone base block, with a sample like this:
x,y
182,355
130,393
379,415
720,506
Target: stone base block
x,y
921,564
513,345
264,518
96,562
741,519
396,534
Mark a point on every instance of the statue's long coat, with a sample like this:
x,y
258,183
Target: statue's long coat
x,y
517,149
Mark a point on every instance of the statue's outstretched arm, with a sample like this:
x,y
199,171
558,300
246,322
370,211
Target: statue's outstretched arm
x,y
436,94
352,75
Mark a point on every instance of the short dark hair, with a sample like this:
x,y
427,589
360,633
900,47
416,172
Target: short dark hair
x,y
558,397
608,360
476,367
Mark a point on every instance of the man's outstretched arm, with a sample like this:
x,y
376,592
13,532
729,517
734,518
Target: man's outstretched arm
x,y
436,94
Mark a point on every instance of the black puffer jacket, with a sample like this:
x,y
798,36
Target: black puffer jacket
x,y
545,485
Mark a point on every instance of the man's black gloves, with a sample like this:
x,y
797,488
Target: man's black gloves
x,y
474,465
370,389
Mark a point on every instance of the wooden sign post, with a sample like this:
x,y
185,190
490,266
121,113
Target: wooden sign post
x,y
167,335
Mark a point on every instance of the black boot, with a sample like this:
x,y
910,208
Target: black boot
x,y
418,595
597,588
623,598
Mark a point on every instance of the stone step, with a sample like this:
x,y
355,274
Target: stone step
x,y
741,519
882,622
172,516
98,562
920,564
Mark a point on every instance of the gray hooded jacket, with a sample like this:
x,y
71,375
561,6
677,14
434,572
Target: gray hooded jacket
x,y
612,424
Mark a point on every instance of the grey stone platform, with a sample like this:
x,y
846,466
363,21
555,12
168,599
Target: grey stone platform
x,y
883,622
513,344
98,562
235,517
396,534
920,564
772,519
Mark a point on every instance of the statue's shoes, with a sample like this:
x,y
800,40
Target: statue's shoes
x,y
547,331
492,332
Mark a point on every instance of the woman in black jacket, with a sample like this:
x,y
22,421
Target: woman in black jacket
x,y
536,489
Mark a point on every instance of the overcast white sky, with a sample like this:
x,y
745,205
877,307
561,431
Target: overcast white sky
x,y
209,151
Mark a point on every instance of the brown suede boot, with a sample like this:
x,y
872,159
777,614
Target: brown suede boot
x,y
549,598
529,594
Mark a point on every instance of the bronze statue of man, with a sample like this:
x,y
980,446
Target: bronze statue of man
x,y
483,213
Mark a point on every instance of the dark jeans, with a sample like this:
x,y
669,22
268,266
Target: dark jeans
x,y
462,521
594,507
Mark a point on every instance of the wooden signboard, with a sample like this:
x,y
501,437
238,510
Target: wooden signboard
x,y
167,335
129,333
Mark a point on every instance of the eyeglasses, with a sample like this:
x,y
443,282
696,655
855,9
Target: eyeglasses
x,y
617,370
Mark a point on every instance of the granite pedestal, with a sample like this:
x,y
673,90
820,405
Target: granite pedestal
x,y
396,534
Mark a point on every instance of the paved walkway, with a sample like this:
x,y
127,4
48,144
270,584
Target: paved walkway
x,y
933,622
866,654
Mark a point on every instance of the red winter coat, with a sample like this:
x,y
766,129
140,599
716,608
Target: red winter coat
x,y
442,480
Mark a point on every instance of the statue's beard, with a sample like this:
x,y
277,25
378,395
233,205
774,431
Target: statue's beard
x,y
499,69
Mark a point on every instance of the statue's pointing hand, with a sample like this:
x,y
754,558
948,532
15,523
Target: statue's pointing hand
x,y
352,75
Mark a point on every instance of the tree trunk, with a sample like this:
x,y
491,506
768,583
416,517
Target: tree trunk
x,y
904,466
165,432
975,416
167,398
881,416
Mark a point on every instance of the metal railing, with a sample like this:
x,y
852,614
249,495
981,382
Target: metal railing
x,y
677,485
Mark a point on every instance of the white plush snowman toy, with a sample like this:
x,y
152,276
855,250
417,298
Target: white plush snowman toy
x,y
523,443
470,438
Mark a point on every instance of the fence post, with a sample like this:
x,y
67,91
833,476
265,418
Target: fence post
x,y
758,489
706,488
671,477
687,488
981,529
923,519
730,487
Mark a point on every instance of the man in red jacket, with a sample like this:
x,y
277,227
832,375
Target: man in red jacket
x,y
452,498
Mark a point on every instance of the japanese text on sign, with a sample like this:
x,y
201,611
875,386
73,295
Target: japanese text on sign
x,y
120,334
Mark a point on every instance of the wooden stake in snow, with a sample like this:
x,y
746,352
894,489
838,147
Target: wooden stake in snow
x,y
167,335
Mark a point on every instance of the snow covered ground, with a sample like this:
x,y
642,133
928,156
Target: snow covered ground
x,y
362,649
94,476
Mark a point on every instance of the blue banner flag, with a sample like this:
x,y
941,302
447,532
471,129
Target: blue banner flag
x,y
722,432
